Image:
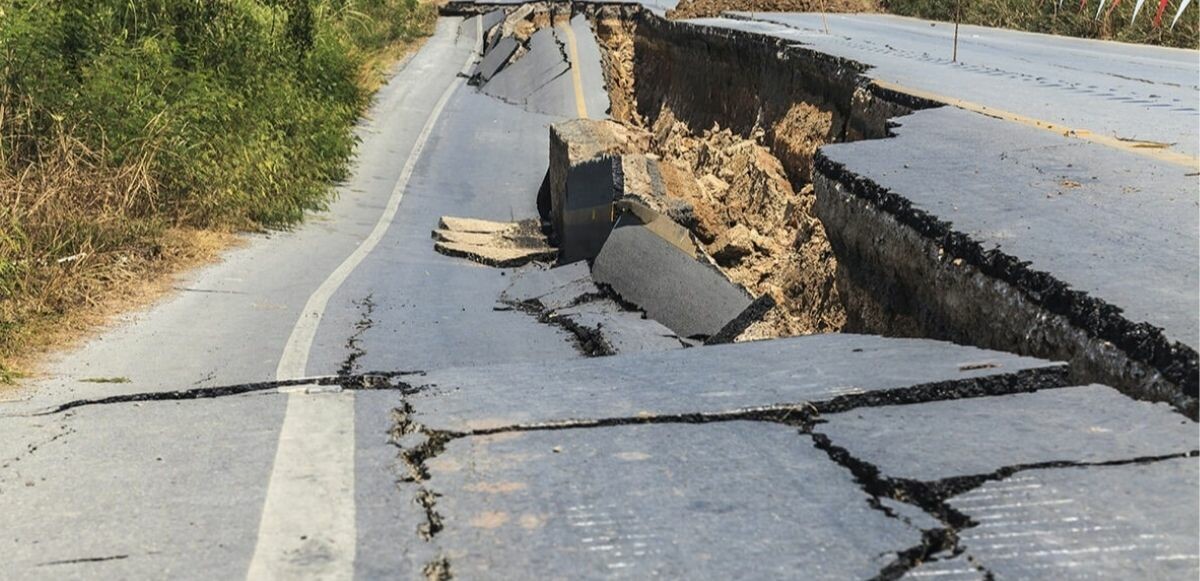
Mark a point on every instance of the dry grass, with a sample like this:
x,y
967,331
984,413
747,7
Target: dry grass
x,y
79,242
82,241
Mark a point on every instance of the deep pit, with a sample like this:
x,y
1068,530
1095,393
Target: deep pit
x,y
734,121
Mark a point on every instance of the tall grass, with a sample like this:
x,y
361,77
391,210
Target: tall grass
x,y
1046,16
122,121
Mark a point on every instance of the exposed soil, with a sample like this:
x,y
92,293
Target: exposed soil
x,y
709,8
761,231
615,37
748,196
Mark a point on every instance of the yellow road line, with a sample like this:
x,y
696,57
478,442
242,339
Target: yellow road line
x,y
576,78
1152,149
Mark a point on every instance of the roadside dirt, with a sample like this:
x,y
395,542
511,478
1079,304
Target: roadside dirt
x,y
709,8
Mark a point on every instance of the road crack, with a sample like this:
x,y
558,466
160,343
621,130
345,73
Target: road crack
x,y
366,307
932,497
374,380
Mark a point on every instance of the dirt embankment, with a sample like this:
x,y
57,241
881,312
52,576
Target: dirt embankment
x,y
710,8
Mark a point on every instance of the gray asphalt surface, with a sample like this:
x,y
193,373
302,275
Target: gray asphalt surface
x,y
1120,90
697,462
1119,226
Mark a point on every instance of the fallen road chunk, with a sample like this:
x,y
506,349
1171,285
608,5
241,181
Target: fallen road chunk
x,y
499,244
647,264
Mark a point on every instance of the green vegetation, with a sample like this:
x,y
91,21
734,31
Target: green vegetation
x,y
124,123
1046,16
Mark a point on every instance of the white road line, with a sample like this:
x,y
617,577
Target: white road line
x,y
308,528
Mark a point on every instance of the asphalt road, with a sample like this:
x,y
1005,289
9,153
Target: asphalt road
x,y
1121,91
503,452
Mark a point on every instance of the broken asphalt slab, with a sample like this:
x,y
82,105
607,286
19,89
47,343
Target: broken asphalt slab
x,y
551,288
1084,424
833,371
1133,521
691,297
1106,222
567,296
618,330
498,244
731,500
494,60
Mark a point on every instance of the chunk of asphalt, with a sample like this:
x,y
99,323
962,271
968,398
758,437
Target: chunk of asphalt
x,y
733,500
499,244
937,440
1133,521
831,369
683,292
587,210
490,19
622,331
551,288
494,60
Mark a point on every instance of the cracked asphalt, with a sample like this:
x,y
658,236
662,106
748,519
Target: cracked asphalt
x,y
484,442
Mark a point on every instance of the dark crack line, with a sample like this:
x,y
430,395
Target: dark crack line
x,y
382,380
590,342
804,416
366,308
84,560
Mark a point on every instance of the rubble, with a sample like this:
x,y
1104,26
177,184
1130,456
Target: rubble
x,y
499,244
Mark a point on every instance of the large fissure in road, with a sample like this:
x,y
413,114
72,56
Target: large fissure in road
x,y
738,119
734,122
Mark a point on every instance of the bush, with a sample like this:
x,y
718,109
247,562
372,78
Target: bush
x,y
120,119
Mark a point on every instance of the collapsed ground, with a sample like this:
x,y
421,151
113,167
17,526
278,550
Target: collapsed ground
x,y
732,154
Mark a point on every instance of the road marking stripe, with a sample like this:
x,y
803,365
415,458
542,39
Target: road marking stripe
x,y
307,529
1151,149
576,77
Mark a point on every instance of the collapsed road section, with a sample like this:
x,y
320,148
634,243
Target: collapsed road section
x,y
732,126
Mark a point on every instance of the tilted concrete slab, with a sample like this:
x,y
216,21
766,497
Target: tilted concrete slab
x,y
527,75
707,379
719,501
681,291
496,58
1135,521
937,440
579,141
